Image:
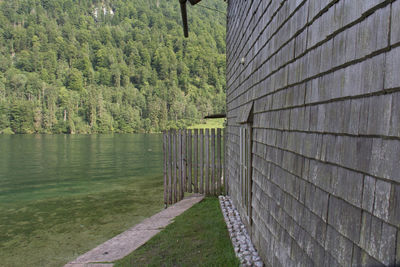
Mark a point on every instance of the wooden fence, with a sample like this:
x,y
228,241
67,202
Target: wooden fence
x,y
193,163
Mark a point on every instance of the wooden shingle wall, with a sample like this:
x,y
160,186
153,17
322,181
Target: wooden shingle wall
x,y
325,80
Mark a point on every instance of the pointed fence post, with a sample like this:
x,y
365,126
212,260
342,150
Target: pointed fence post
x,y
201,166
207,162
170,168
219,161
175,167
184,162
165,168
189,161
212,162
225,173
179,152
196,162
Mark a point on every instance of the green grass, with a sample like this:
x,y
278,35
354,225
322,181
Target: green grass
x,y
209,123
198,237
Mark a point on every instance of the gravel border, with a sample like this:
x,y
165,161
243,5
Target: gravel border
x,y
241,242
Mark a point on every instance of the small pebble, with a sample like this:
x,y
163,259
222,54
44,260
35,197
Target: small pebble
x,y
256,258
246,253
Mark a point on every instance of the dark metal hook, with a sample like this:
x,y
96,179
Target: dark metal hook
x,y
184,15
184,18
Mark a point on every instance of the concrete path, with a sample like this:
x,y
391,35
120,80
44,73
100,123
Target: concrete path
x,y
123,244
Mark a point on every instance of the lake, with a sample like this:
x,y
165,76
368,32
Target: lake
x,y
61,195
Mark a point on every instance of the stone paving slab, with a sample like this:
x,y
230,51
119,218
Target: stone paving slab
x,y
90,265
128,241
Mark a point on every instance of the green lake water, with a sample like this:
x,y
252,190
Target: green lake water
x,y
61,195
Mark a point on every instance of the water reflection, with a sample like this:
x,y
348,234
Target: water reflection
x,y
41,166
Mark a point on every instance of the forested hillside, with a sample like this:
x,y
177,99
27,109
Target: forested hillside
x,y
90,66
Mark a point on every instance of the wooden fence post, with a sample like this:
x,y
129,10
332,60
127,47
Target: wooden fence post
x,y
170,162
196,162
175,167
165,168
225,173
207,162
189,160
184,162
219,177
213,191
179,149
201,155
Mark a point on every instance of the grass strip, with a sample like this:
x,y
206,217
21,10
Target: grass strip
x,y
198,237
209,123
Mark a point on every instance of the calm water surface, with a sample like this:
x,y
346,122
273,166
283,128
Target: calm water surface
x,y
63,194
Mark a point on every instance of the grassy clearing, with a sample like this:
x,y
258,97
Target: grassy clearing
x,y
209,123
198,237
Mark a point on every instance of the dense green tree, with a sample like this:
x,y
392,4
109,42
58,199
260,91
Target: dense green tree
x,y
90,66
22,116
74,80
